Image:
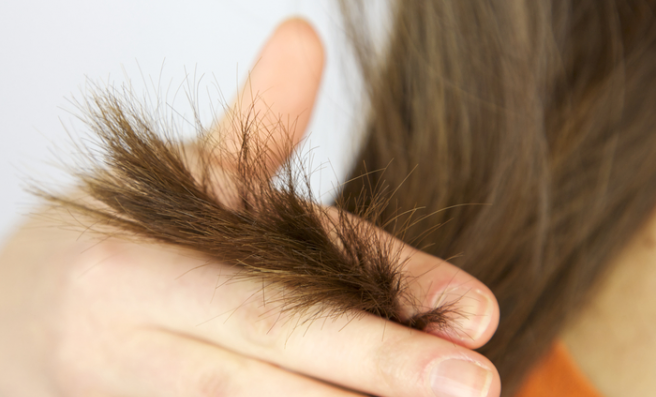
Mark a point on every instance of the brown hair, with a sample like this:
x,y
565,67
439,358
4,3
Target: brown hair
x,y
219,198
542,109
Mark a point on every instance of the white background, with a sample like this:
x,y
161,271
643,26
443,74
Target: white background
x,y
49,51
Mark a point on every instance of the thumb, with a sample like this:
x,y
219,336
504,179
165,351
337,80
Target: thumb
x,y
277,99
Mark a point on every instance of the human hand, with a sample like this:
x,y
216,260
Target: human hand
x,y
116,318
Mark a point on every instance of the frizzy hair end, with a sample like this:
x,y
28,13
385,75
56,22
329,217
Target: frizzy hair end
x,y
219,197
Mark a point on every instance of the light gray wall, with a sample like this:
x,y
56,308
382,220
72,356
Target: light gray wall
x,y
50,49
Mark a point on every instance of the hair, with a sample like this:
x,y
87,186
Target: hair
x,y
220,198
544,110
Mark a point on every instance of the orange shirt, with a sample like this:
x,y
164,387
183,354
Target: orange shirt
x,y
557,375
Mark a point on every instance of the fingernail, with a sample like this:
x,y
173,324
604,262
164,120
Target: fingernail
x,y
460,378
473,311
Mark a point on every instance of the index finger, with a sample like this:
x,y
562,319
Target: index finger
x,y
472,310
359,351
438,297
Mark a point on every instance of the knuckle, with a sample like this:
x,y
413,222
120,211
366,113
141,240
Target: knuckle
x,y
262,324
394,368
91,270
214,384
73,380
385,369
227,379
78,350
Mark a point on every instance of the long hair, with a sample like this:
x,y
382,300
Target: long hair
x,y
517,135
544,111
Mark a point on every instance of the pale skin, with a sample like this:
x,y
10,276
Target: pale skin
x,y
81,317
612,339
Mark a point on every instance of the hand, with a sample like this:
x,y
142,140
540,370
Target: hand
x,y
82,318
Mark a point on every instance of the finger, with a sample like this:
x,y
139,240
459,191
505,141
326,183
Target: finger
x,y
277,99
151,362
472,308
363,353
469,306
367,354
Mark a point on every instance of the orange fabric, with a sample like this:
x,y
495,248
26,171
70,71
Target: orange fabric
x,y
557,375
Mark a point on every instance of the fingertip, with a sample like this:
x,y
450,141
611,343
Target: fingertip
x,y
471,311
465,376
280,91
475,316
289,68
298,32
287,76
